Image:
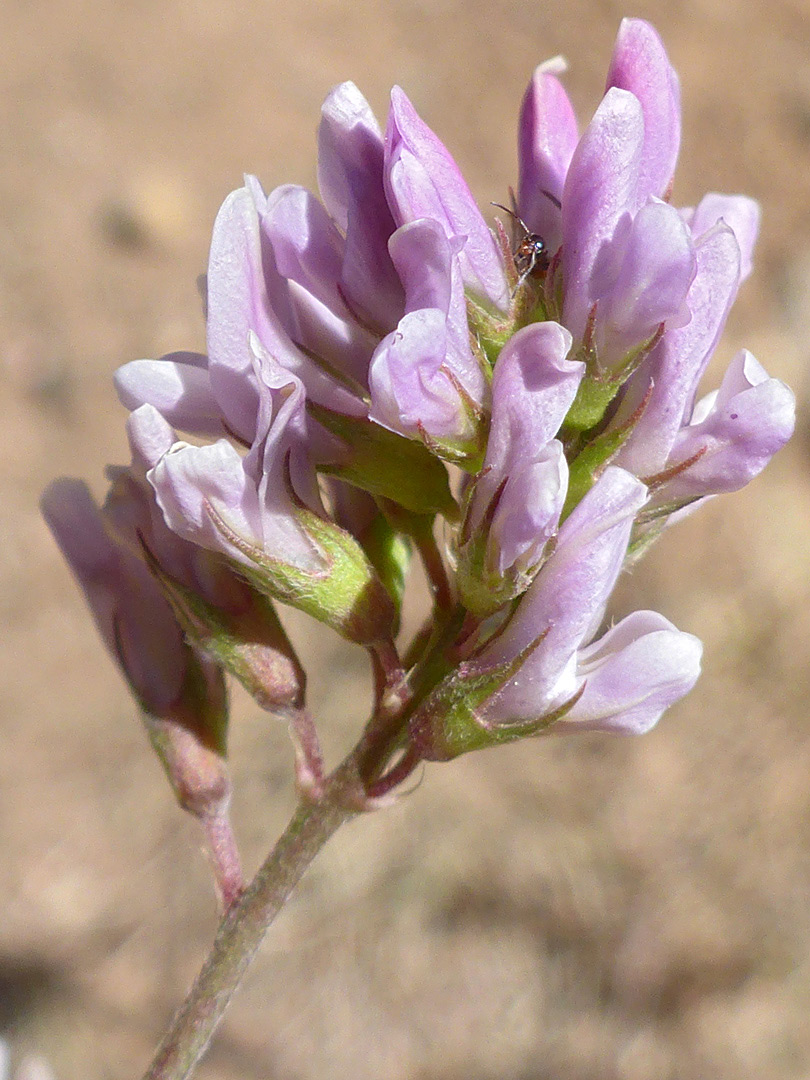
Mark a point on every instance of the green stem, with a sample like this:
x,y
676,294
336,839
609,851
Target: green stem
x,y
245,925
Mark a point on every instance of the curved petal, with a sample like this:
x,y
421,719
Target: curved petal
x,y
601,186
565,601
344,345
547,138
349,143
423,180
532,389
239,269
410,387
237,304
308,251
189,479
306,243
632,675
529,509
428,267
423,255
640,64
533,386
675,366
280,453
742,427
179,387
150,436
350,179
740,213
641,279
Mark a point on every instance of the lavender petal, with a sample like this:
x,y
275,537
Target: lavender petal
x,y
640,65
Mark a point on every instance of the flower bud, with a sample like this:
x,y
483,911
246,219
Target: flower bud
x,y
515,502
425,380
423,181
540,671
218,610
181,692
264,513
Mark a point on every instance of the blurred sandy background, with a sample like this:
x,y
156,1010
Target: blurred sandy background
x,y
567,910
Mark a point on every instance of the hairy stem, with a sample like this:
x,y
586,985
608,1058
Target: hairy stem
x,y
244,927
348,790
224,855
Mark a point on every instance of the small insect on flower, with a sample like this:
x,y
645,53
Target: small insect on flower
x,y
530,251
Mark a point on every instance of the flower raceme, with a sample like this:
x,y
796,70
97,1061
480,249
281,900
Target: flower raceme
x,y
360,343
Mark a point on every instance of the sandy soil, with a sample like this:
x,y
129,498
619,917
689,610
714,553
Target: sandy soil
x,y
567,910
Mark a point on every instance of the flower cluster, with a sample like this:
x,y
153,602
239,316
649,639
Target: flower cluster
x,y
384,369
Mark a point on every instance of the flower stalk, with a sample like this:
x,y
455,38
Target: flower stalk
x,y
243,929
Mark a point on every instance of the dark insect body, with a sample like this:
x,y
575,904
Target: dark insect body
x,y
530,253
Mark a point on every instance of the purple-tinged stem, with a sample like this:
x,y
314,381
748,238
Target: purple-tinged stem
x,y
224,855
243,928
434,567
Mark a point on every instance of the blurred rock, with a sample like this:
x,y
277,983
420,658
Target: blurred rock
x,y
156,210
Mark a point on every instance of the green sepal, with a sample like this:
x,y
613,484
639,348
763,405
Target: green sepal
x,y
595,453
587,465
649,526
389,552
600,386
468,454
529,304
641,540
594,394
473,581
250,642
484,591
490,331
386,464
448,723
345,593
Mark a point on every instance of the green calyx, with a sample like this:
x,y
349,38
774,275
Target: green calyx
x,y
344,592
389,552
483,590
588,464
247,640
448,724
386,464
490,332
594,394
601,385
